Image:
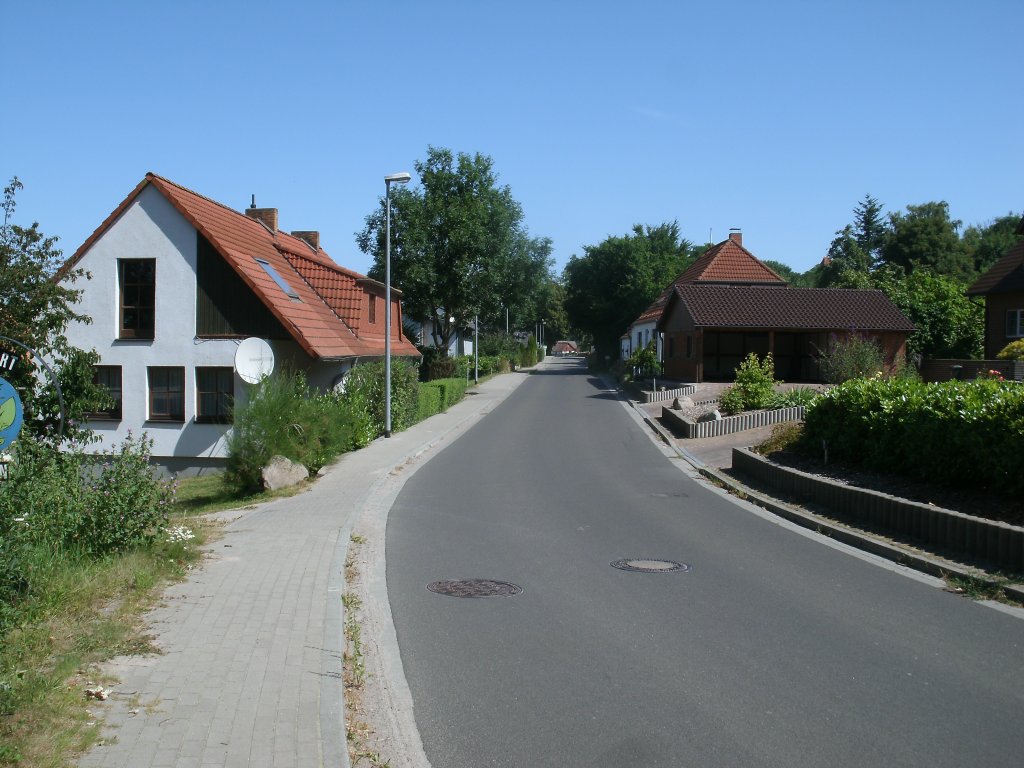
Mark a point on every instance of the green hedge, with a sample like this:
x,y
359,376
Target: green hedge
x,y
450,391
957,433
428,402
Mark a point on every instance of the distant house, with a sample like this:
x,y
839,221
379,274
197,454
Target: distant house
x,y
727,263
565,347
421,332
1002,287
178,280
729,304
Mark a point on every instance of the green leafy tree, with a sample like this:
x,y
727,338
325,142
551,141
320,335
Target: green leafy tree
x,y
35,309
524,285
948,324
845,255
926,237
985,244
612,283
458,247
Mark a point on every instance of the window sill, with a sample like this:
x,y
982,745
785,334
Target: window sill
x,y
212,420
157,420
112,419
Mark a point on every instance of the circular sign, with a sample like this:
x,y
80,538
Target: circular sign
x,y
10,415
254,359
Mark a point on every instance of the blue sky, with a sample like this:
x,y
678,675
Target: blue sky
x,y
776,118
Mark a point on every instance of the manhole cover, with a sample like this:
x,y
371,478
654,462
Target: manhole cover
x,y
475,588
644,565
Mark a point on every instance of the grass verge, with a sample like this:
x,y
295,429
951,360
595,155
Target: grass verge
x,y
357,732
208,493
79,613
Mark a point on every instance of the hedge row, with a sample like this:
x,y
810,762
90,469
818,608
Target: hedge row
x,y
449,392
957,433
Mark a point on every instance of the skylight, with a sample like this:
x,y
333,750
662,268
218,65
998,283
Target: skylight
x,y
281,282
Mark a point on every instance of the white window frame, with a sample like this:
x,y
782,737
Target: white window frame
x,y
1015,323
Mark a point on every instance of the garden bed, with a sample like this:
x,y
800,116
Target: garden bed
x,y
937,528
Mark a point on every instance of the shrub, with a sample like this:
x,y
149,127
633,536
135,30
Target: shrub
x,y
1012,351
754,386
528,353
501,345
364,397
450,391
799,396
62,499
428,402
959,433
851,357
284,416
644,361
784,437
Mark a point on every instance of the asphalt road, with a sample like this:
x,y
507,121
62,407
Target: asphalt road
x,y
773,650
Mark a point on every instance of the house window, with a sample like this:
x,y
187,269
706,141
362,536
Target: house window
x,y
215,395
1015,324
373,310
671,346
108,377
166,393
689,346
639,340
137,287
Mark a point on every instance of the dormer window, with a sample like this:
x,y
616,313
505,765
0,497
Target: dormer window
x,y
373,309
281,282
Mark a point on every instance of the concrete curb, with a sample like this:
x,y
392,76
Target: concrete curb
x,y
933,566
859,540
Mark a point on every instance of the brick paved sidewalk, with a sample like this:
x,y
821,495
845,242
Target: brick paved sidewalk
x,y
250,673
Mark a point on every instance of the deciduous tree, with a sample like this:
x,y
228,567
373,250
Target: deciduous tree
x,y
458,245
613,282
35,309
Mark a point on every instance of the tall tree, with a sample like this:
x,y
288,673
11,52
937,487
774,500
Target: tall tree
x,y
985,244
869,227
35,309
925,236
454,241
845,254
612,283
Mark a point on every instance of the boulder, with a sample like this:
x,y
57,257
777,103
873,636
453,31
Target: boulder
x,y
682,402
710,416
282,472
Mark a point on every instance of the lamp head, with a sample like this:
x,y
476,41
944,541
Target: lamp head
x,y
397,178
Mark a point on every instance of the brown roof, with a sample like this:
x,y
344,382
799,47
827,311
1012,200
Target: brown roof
x,y
721,306
1004,276
317,321
728,262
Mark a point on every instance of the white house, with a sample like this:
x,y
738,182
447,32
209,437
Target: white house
x,y
178,281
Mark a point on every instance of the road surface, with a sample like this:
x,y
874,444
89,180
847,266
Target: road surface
x,y
772,649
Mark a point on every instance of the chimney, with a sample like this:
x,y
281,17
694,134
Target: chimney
x,y
267,215
736,236
310,236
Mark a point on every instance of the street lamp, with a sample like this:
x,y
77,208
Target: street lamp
x,y
396,178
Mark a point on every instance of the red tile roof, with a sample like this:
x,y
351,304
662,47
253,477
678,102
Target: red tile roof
x,y
317,321
1005,275
728,262
838,309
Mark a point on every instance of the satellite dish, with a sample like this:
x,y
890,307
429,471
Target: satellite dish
x,y
254,359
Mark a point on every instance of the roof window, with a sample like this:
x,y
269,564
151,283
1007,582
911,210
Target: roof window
x,y
281,282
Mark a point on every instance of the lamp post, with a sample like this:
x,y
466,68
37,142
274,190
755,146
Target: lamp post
x,y
396,178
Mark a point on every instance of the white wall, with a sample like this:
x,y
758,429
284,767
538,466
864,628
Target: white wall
x,y
152,228
647,332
